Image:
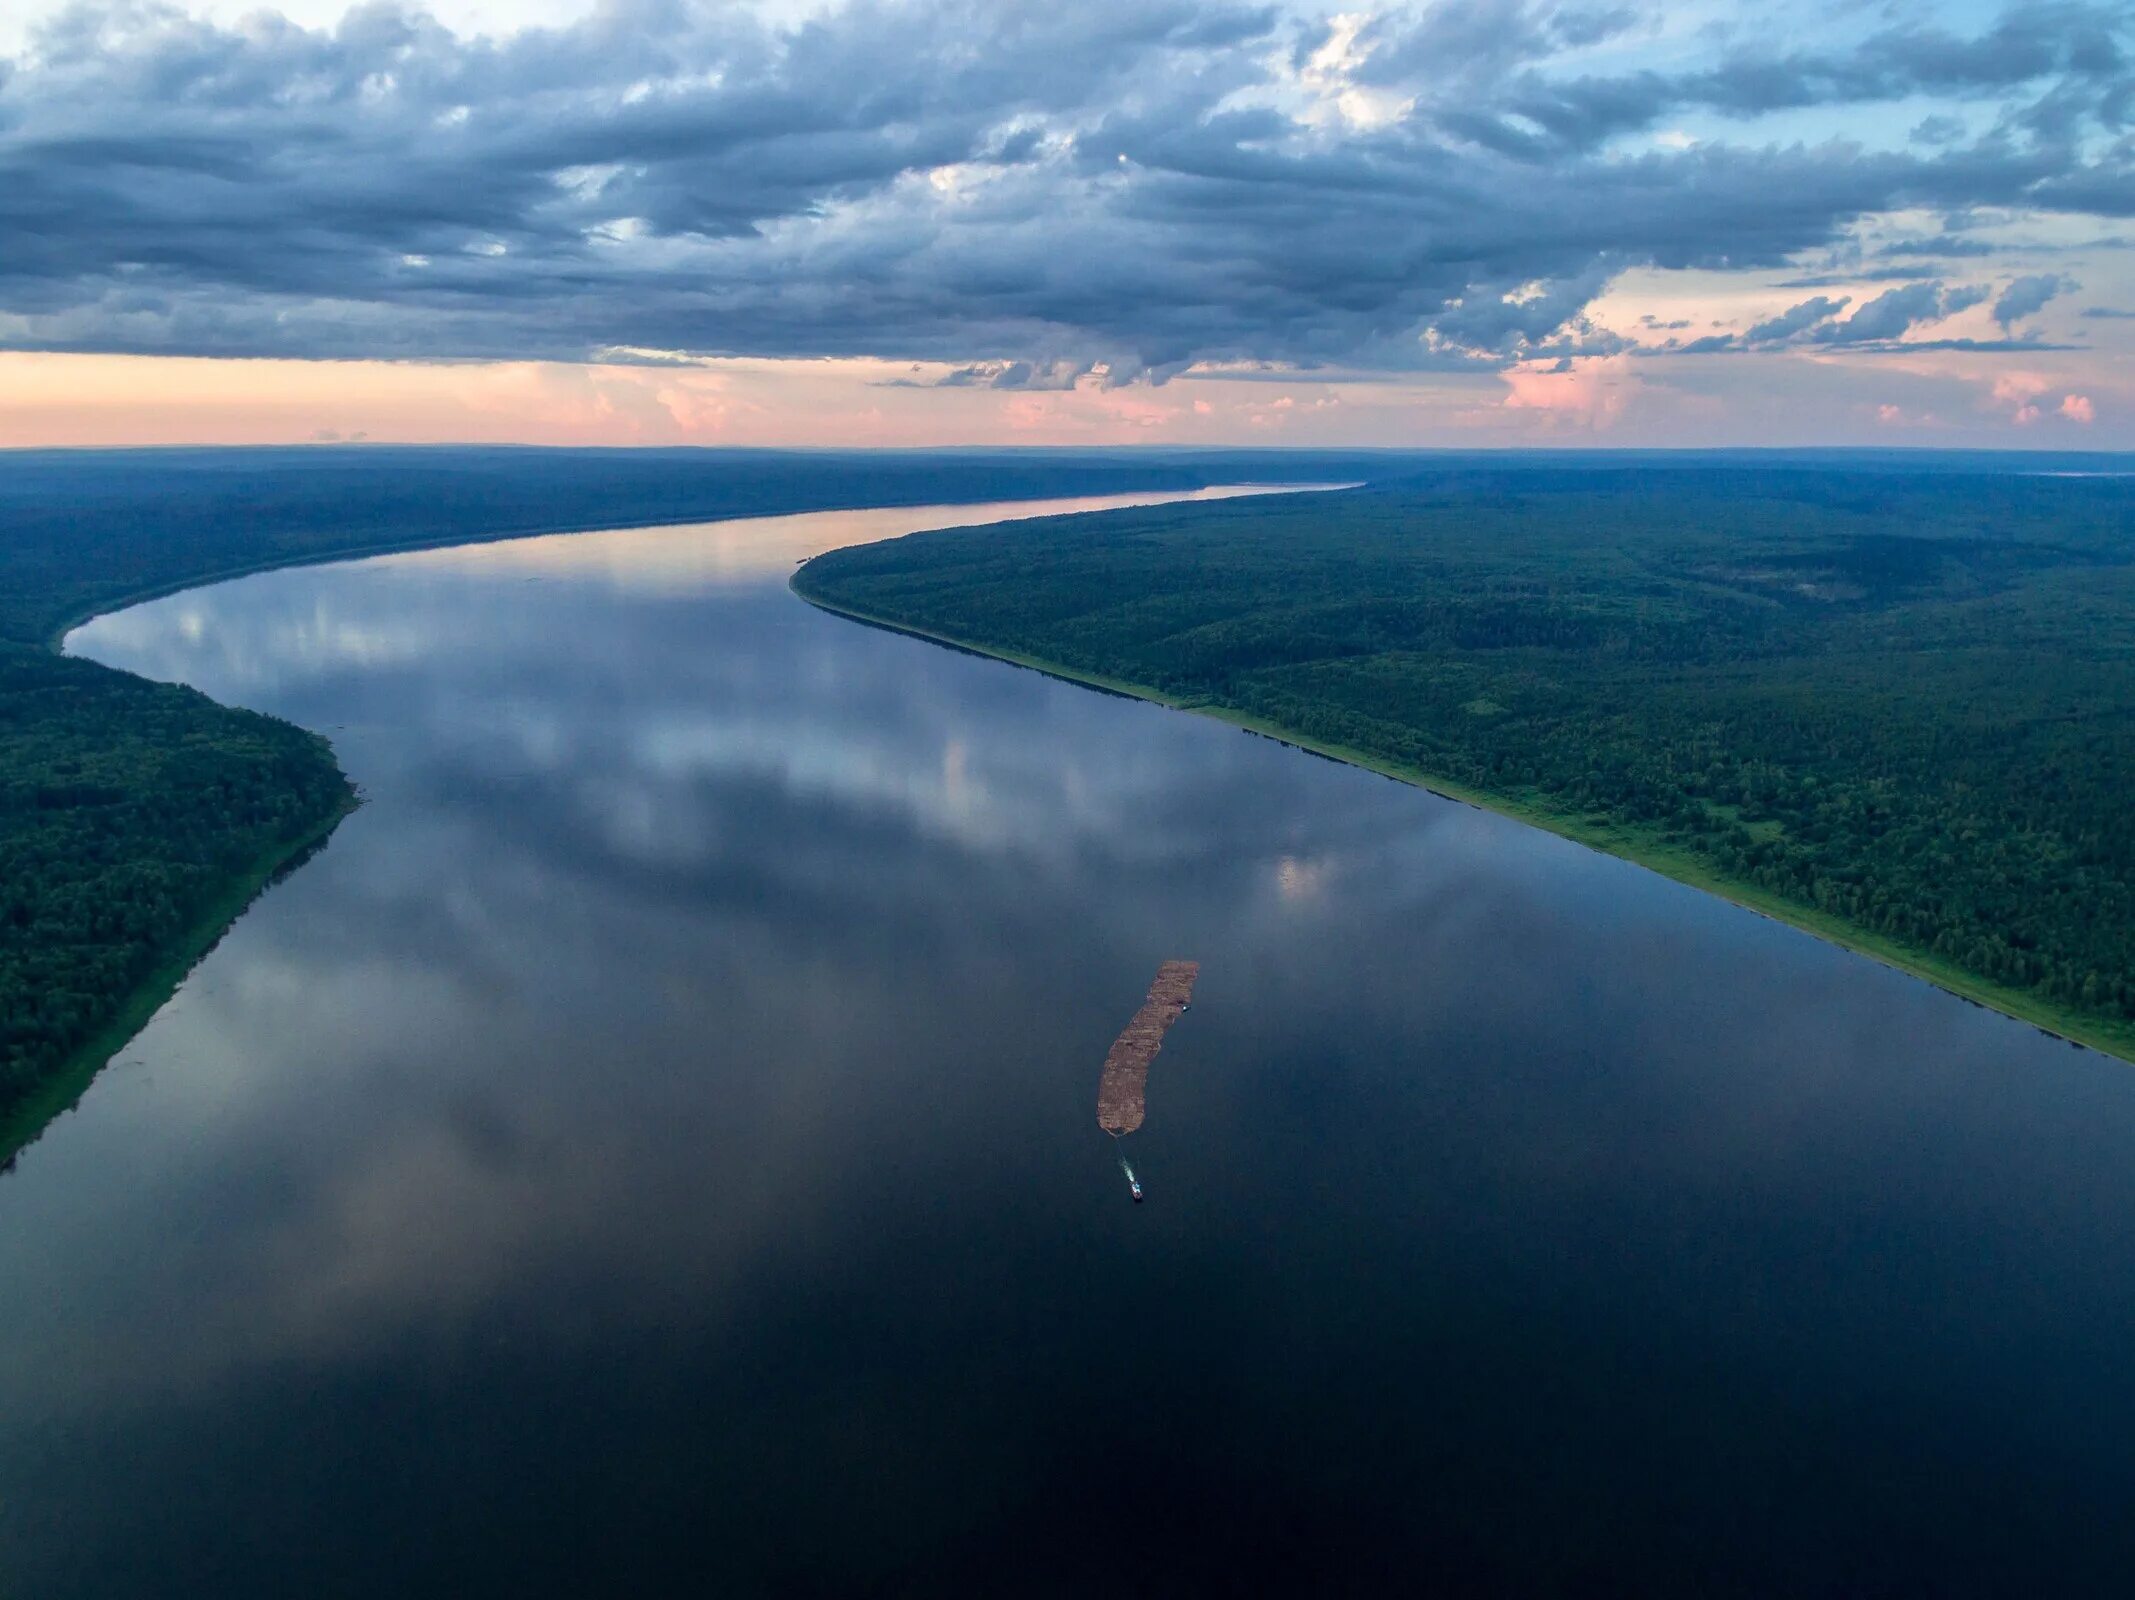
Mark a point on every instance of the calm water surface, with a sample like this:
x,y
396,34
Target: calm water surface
x,y
652,1151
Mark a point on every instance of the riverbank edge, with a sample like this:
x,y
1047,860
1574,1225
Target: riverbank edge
x,y
55,636
1612,839
62,1091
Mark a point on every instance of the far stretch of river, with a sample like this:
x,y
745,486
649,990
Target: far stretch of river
x,y
652,1151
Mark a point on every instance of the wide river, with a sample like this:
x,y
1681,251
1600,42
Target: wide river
x,y
652,1151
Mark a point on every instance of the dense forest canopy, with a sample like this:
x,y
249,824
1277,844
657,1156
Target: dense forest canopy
x,y
1896,703
126,809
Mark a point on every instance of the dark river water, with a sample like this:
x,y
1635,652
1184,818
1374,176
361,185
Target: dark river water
x,y
652,1150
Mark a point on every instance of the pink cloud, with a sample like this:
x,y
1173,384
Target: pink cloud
x,y
88,399
1896,416
2019,391
1586,392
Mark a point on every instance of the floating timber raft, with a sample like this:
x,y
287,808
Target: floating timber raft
x,y
1120,1090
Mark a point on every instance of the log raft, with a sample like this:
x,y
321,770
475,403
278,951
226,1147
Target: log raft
x,y
1126,1075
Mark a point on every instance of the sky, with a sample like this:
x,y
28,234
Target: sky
x,y
923,222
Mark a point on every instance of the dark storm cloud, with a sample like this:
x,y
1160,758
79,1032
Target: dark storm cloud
x,y
1023,192
1896,312
2027,295
1501,96
1828,280
1879,326
1798,318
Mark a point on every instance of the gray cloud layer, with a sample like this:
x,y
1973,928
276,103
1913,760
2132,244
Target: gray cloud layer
x,y
2027,295
1143,183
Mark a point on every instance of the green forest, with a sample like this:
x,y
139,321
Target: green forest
x,y
129,811
1896,708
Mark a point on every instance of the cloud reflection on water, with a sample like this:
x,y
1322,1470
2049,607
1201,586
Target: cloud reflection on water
x,y
711,997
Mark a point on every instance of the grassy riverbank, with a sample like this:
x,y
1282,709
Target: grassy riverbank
x,y
1912,744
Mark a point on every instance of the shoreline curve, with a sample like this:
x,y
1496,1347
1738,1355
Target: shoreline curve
x,y
1620,843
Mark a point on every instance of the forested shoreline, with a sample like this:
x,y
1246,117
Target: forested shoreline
x,y
136,818
1897,709
1670,657
130,814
